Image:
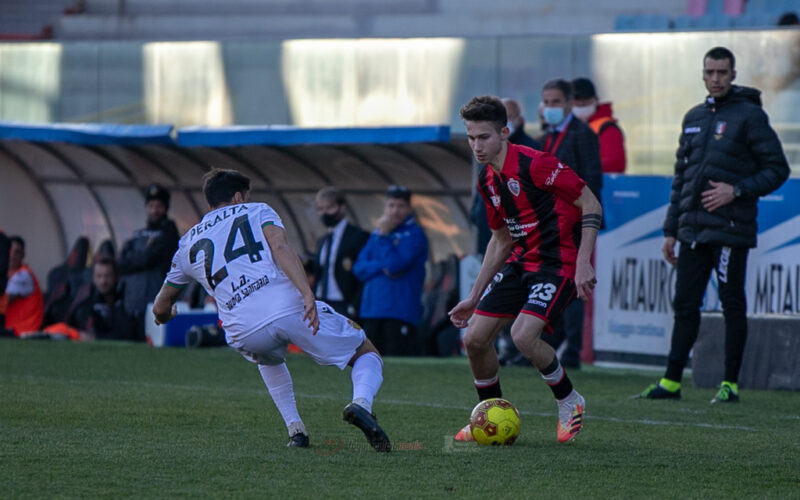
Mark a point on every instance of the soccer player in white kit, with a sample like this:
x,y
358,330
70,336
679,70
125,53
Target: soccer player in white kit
x,y
239,253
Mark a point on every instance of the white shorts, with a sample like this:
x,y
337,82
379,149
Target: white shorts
x,y
335,343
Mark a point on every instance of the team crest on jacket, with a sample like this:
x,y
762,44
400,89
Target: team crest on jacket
x,y
513,186
719,130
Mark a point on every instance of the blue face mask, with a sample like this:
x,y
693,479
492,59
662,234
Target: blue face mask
x,y
553,116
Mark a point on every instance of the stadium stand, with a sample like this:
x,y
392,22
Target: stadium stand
x,y
32,19
713,15
242,19
248,19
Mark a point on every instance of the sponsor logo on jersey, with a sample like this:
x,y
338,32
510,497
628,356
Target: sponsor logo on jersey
x,y
551,179
537,302
497,279
513,186
519,229
494,197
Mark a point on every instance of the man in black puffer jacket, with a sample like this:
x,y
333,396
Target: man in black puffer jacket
x,y
727,158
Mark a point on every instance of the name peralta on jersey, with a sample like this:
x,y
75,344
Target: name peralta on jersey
x,y
533,196
227,253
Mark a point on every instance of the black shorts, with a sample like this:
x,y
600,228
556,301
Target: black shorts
x,y
514,290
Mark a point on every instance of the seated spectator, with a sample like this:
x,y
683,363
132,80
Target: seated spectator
x,y
24,304
101,315
146,257
63,282
392,267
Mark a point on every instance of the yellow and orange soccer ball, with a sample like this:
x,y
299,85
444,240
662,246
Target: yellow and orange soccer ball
x,y
495,421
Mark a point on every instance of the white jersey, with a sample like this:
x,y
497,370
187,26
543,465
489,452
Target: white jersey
x,y
227,253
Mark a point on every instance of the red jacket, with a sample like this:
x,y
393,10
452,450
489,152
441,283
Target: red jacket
x,y
25,314
609,135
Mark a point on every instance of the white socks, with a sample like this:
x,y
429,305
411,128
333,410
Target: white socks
x,y
553,377
279,385
367,378
486,382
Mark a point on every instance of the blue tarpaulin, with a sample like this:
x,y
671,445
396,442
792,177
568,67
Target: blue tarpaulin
x,y
268,135
288,136
87,133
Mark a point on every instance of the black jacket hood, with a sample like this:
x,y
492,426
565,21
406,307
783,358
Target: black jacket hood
x,y
739,93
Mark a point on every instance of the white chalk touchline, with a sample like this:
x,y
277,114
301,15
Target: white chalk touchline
x,y
400,402
588,415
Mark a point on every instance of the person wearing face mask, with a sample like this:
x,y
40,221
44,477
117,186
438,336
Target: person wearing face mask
x,y
576,146
334,281
600,118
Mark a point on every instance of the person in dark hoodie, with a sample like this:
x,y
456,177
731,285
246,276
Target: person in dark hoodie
x,y
728,156
146,257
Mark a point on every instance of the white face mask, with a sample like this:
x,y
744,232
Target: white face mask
x,y
510,128
584,112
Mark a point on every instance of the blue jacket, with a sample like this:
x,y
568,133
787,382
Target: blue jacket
x,y
392,268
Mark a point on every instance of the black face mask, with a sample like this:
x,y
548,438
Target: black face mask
x,y
330,220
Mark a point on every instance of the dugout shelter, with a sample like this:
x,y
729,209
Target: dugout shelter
x,y
64,181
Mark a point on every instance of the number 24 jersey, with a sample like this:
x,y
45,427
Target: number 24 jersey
x,y
227,253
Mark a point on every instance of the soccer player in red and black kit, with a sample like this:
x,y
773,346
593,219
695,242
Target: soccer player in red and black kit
x,y
544,223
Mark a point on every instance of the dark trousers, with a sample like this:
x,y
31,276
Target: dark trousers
x,y
340,307
569,328
694,269
391,337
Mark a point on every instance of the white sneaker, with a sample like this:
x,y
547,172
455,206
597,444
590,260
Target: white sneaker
x,y
570,417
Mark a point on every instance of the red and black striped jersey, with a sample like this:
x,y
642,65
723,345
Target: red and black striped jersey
x,y
534,195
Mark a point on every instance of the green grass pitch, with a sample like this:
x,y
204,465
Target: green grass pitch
x,y
120,420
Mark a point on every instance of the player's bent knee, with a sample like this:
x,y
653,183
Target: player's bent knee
x,y
476,343
520,335
366,347
527,326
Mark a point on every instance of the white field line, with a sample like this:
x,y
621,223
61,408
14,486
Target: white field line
x,y
397,402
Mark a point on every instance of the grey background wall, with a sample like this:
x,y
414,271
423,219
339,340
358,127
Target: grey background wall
x,y
651,78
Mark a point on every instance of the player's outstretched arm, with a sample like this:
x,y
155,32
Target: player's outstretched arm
x,y
496,253
592,218
164,308
290,265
